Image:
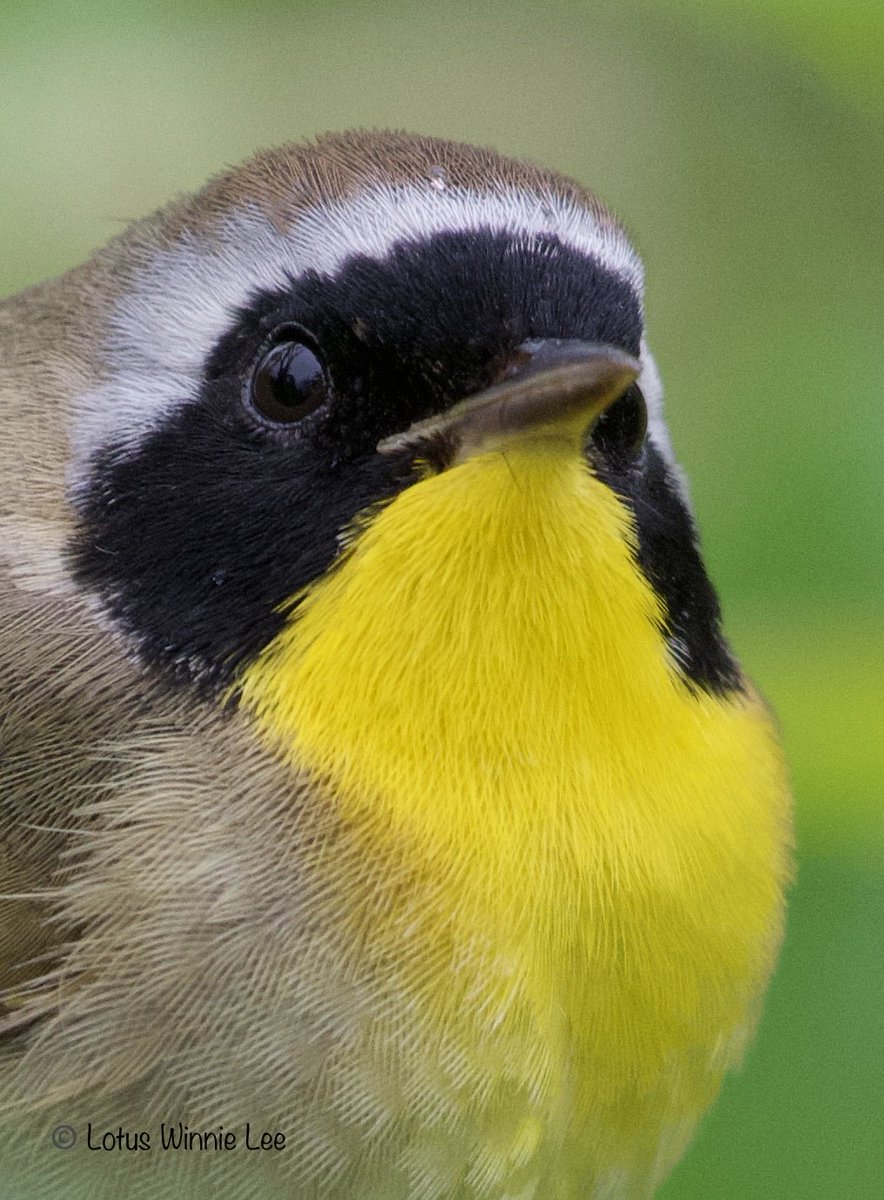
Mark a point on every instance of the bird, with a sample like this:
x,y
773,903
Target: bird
x,y
385,814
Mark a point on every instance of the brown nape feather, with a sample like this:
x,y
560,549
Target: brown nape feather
x,y
288,179
47,350
51,653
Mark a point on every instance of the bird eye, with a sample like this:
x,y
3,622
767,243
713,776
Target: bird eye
x,y
290,380
620,431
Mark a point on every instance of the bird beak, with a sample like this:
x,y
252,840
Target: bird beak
x,y
554,389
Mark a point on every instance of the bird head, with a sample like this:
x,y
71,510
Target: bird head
x,y
308,338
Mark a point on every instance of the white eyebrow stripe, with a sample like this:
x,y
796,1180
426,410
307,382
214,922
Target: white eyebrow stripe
x,y
185,298
373,221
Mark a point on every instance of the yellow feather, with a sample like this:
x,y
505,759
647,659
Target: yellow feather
x,y
598,850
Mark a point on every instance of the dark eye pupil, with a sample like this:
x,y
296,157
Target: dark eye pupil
x,y
620,431
289,383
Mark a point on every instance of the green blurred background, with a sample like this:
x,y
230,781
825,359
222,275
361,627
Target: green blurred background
x,y
742,141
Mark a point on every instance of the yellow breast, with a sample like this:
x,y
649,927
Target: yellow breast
x,y
599,850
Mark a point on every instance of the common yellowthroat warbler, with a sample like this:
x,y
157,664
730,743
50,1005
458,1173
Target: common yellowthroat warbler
x,y
378,787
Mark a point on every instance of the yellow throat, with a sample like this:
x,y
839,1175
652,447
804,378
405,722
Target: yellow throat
x,y
483,684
